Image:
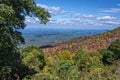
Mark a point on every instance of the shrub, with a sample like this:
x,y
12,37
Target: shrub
x,y
108,56
85,59
65,55
115,48
34,60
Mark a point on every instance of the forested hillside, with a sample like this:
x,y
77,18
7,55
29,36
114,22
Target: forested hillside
x,y
87,58
83,65
95,42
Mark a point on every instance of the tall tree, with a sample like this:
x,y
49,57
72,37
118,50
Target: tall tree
x,y
12,17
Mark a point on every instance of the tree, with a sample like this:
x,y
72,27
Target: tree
x,y
85,60
12,17
115,48
65,55
34,60
108,56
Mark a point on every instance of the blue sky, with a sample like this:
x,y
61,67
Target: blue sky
x,y
82,14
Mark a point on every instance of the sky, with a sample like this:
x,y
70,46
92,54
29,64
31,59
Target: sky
x,y
79,14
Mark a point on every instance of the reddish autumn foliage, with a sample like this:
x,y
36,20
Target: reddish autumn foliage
x,y
95,42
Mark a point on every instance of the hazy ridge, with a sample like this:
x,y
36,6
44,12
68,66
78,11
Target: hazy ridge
x,y
95,42
44,36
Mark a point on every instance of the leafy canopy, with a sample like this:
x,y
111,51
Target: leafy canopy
x,y
12,19
115,48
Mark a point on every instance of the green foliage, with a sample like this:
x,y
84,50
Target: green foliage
x,y
10,58
12,17
108,56
115,48
5,73
34,59
28,49
65,55
87,59
63,65
86,65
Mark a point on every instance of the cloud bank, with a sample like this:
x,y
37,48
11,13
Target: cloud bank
x,y
65,18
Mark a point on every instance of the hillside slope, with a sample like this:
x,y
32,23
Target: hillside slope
x,y
95,42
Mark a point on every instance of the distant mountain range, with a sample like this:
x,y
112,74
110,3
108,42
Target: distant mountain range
x,y
95,42
45,36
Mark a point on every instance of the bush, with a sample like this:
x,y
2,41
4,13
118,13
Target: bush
x,y
85,59
34,59
65,55
108,56
115,48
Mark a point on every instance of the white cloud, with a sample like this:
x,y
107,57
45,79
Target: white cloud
x,y
106,18
89,16
83,15
87,20
52,9
112,22
60,21
112,10
78,19
31,20
36,19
